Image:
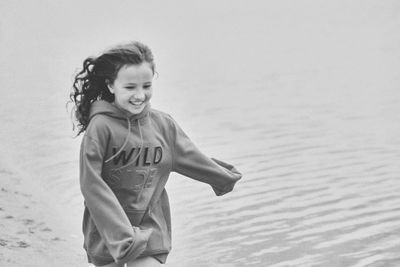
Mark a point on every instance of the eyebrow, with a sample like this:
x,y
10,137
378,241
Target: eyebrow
x,y
136,83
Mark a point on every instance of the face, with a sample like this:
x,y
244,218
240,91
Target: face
x,y
132,88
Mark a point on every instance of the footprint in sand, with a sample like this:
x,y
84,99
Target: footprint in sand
x,y
57,239
23,232
28,221
3,171
23,244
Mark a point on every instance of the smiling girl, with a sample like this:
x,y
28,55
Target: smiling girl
x,y
127,153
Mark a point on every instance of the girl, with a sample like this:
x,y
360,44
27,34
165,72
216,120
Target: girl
x,y
127,153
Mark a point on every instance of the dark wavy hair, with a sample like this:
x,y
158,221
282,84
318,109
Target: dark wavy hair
x,y
90,84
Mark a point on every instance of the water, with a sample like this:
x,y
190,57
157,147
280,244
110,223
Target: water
x,y
301,98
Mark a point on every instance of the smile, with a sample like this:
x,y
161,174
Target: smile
x,y
137,103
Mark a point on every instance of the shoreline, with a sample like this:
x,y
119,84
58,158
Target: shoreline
x,y
34,229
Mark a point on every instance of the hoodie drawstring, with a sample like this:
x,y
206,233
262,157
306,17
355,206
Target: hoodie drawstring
x,y
126,141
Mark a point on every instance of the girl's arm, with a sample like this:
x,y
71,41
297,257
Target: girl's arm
x,y
123,241
191,162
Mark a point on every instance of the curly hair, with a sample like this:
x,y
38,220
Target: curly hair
x,y
90,84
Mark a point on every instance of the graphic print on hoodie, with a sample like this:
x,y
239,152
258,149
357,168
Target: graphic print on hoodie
x,y
124,165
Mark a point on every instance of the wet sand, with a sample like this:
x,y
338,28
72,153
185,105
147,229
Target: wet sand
x,y
33,231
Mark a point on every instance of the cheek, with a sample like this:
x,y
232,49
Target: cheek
x,y
123,94
149,94
121,97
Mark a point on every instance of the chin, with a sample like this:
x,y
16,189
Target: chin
x,y
136,111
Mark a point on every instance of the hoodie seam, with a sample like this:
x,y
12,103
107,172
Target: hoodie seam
x,y
165,118
172,141
93,139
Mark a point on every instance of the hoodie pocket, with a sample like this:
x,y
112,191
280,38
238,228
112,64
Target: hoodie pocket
x,y
134,216
160,239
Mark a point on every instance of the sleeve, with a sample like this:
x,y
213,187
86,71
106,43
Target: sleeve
x,y
189,161
123,241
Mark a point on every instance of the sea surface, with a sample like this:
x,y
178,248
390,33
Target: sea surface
x,y
303,97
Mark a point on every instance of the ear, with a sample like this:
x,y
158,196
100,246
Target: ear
x,y
109,86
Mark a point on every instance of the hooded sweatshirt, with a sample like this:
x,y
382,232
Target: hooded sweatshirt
x,y
125,162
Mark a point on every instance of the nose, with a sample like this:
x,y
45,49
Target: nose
x,y
139,94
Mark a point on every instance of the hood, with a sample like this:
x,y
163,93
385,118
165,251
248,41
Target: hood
x,y
109,109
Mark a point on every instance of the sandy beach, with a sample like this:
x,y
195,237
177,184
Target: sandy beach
x,y
34,232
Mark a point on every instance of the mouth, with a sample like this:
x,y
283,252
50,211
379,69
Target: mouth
x,y
137,104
